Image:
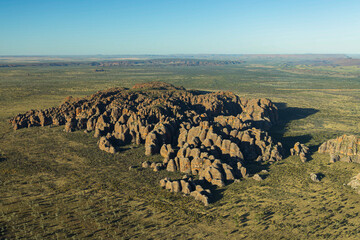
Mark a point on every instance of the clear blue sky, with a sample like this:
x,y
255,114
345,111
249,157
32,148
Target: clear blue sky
x,y
70,27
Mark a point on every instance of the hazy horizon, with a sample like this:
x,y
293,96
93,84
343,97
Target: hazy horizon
x,y
184,27
175,54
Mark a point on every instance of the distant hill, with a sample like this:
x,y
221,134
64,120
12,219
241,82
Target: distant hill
x,y
137,62
169,62
294,56
333,62
182,60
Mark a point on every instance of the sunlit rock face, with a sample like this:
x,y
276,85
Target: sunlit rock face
x,y
345,148
212,135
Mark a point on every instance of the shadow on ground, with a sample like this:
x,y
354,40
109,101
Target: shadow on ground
x,y
286,115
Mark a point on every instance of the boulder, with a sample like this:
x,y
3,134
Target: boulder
x,y
200,197
213,174
171,166
158,167
229,175
315,177
176,186
355,183
105,145
243,172
151,144
169,186
225,146
150,149
146,164
185,165
70,124
185,187
208,142
194,153
196,165
163,183
235,151
167,151
257,177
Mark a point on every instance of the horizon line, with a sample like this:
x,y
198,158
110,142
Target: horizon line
x,y
170,54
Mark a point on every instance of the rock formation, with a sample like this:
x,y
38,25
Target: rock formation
x,y
345,148
315,177
188,187
300,150
257,177
155,166
212,135
355,183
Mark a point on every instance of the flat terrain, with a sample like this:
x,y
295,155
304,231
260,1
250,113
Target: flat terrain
x,y
57,185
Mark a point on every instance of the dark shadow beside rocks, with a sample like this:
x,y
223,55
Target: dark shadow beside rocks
x,y
320,176
254,167
199,92
289,142
2,158
286,115
216,193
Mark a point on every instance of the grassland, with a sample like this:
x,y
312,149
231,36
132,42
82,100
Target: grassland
x,y
56,185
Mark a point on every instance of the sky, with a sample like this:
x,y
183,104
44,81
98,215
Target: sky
x,y
110,27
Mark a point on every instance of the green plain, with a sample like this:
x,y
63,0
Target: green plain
x,y
57,185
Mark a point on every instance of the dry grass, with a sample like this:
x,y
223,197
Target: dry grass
x,y
57,185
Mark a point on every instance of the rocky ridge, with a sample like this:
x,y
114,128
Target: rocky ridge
x,y
345,148
210,135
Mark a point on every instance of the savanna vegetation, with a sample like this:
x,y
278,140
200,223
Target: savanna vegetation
x,y
57,185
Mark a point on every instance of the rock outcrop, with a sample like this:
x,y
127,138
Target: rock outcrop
x,y
155,166
300,150
315,177
213,135
355,183
257,177
345,148
220,154
188,187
